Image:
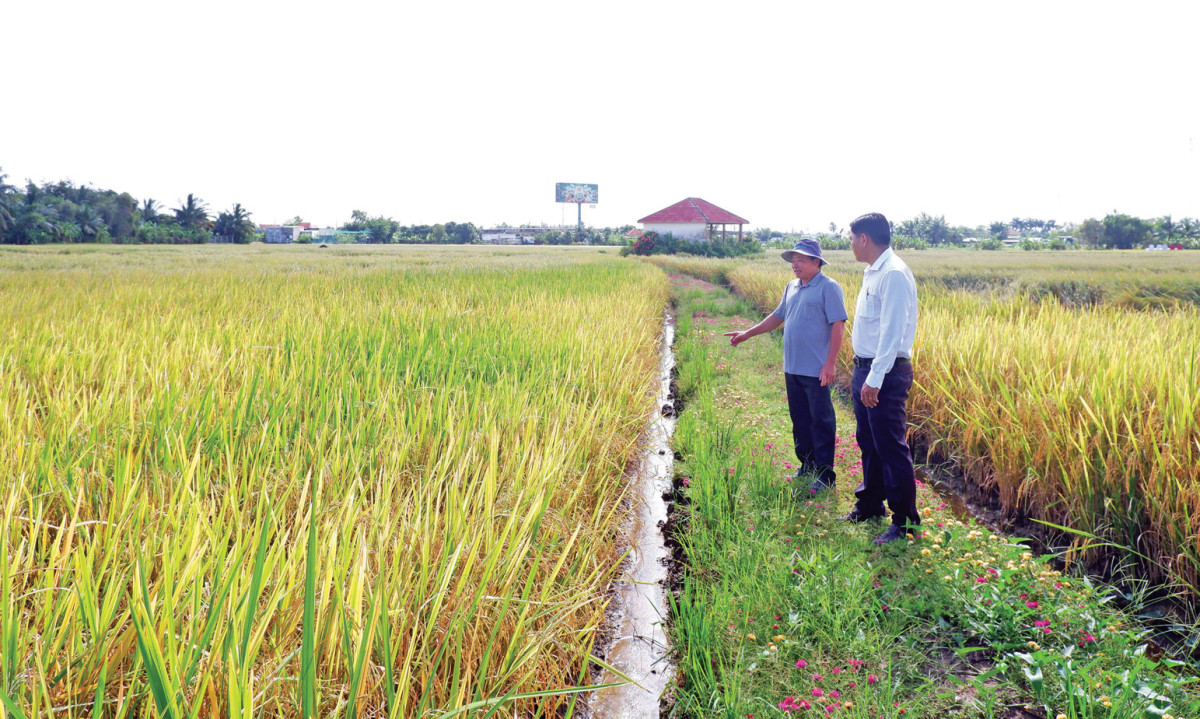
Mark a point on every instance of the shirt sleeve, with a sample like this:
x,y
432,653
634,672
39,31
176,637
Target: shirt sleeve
x,y
893,318
835,303
780,312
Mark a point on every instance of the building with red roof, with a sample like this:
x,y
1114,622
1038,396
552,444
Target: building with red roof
x,y
693,219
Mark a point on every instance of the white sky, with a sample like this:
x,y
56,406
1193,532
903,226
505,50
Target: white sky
x,y
790,114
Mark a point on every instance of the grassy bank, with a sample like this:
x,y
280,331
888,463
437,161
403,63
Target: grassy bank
x,y
785,611
1084,417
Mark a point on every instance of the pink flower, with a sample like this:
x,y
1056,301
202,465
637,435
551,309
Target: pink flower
x,y
818,692
817,677
1041,623
800,663
871,679
834,694
1031,605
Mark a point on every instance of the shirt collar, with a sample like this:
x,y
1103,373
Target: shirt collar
x,y
811,282
879,262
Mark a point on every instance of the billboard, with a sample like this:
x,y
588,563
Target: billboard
x,y
575,192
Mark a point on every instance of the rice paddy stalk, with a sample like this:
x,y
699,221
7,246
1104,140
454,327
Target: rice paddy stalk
x,y
249,483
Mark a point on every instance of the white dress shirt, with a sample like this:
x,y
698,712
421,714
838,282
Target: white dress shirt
x,y
885,318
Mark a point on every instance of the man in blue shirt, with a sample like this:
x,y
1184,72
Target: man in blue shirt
x,y
813,316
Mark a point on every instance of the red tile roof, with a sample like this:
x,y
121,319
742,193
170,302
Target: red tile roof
x,y
693,209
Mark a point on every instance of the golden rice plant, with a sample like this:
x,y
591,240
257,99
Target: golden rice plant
x,y
302,482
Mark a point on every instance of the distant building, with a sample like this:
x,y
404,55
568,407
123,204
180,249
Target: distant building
x,y
692,219
499,237
280,234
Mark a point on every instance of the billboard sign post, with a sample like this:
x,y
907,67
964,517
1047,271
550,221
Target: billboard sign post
x,y
577,194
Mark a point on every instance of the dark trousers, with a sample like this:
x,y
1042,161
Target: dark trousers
x,y
886,460
814,429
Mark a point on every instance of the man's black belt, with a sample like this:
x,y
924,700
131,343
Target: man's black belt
x,y
866,361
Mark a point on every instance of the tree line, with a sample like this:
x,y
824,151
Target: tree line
x,y
1114,231
385,230
65,212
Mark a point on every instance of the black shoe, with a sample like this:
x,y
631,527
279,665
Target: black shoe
x,y
858,516
893,533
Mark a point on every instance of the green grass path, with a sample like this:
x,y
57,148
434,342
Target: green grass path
x,y
783,610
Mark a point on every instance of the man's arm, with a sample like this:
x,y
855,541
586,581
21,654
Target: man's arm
x,y
769,323
836,332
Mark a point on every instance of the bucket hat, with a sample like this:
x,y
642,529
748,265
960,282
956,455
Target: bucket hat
x,y
812,248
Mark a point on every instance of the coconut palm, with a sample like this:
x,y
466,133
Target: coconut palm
x,y
234,225
150,210
192,213
90,223
7,207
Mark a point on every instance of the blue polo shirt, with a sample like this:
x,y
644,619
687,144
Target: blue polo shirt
x,y
808,313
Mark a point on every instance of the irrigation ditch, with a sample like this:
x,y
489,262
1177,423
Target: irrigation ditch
x,y
635,637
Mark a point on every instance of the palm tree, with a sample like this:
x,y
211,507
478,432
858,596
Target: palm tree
x,y
150,210
90,224
1165,228
235,225
7,217
192,213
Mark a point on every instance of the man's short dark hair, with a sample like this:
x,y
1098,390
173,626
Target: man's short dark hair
x,y
875,226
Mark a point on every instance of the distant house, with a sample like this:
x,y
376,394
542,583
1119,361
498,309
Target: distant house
x,y
692,219
506,236
279,234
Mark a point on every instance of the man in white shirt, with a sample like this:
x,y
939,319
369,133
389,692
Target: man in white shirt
x,y
885,325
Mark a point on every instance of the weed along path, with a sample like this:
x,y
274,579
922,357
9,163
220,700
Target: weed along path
x,y
782,609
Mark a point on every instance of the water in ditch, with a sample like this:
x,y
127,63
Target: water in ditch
x,y
639,646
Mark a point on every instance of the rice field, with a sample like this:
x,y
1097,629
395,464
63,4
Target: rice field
x,y
355,481
1067,383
